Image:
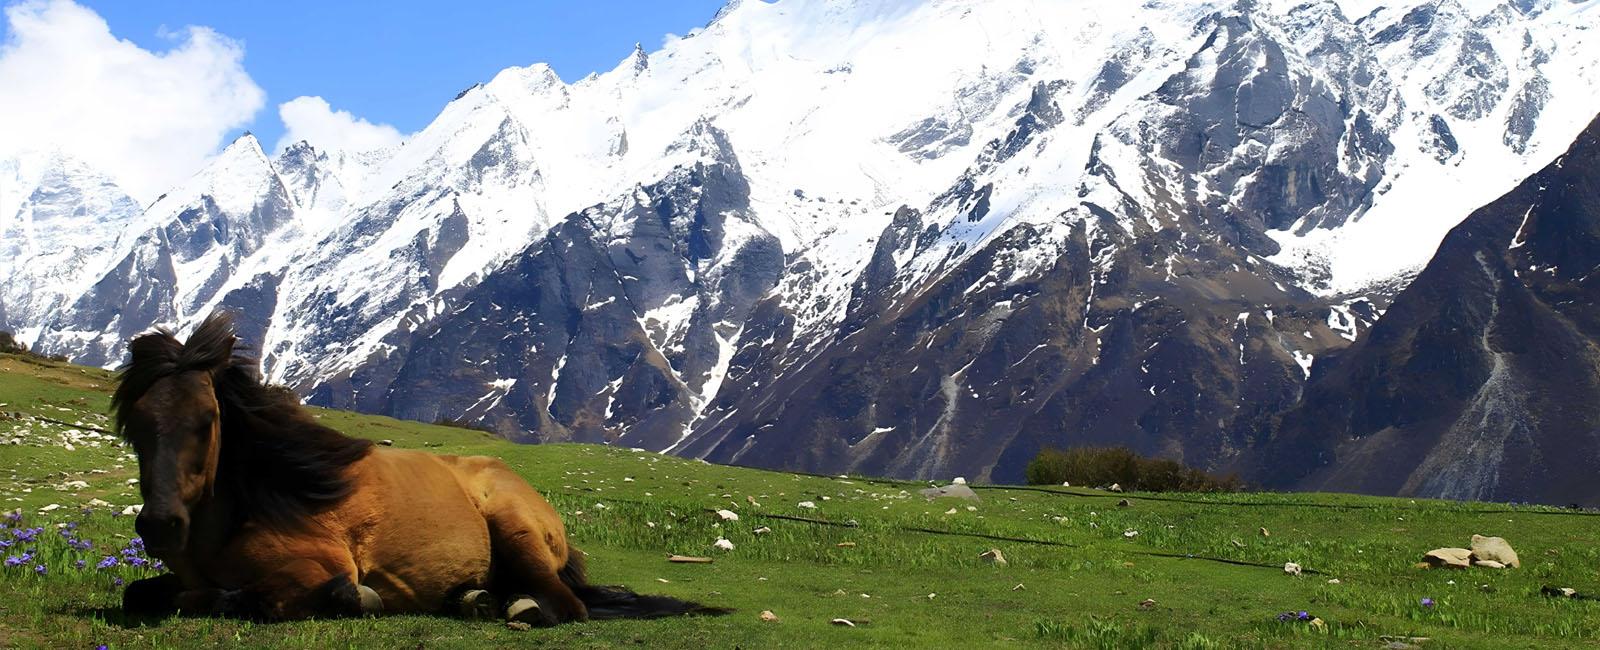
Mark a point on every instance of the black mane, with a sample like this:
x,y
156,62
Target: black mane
x,y
276,463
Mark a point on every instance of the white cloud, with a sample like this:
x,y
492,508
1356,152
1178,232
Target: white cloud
x,y
149,119
313,120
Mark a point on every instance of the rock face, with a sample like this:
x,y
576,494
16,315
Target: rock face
x,y
1481,381
871,245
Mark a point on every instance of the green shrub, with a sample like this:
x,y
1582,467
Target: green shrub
x,y
462,424
9,344
1102,466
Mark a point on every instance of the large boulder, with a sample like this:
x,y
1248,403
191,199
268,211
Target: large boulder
x,y
1494,549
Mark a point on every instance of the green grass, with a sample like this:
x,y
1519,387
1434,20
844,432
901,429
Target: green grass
x,y
1077,583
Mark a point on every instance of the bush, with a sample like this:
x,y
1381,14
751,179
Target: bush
x,y
462,424
9,344
282,393
1101,466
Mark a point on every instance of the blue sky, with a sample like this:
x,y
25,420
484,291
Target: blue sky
x,y
398,62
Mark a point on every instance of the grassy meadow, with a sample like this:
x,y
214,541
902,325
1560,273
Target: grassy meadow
x,y
1081,571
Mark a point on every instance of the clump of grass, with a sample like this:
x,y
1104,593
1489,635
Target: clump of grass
x,y
1100,634
1100,466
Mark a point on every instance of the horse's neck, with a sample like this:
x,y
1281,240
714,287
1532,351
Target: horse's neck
x,y
212,524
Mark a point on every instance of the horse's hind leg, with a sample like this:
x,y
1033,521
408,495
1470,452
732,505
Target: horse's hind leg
x,y
530,547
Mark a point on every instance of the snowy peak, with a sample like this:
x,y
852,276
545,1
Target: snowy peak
x,y
235,180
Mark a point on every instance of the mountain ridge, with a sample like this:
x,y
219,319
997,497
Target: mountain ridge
x,y
775,242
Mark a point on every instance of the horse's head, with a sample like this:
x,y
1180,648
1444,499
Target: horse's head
x,y
166,407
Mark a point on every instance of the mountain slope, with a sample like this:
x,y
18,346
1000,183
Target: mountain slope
x,y
1483,380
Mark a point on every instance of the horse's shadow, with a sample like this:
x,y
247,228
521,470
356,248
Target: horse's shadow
x,y
117,617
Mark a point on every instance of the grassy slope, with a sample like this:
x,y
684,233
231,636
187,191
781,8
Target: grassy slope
x,y
905,587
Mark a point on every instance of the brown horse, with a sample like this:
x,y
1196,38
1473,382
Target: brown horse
x,y
262,512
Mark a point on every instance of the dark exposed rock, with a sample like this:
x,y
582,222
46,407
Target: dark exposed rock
x,y
1480,381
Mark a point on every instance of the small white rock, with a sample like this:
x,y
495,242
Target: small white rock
x,y
762,530
722,543
809,505
132,510
48,508
1291,568
728,515
959,481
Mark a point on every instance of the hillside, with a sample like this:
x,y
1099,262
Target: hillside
x,y
1077,569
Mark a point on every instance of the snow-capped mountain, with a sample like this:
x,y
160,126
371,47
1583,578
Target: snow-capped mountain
x,y
889,236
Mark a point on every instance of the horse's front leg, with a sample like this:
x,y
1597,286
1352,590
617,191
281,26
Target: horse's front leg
x,y
232,603
156,596
305,588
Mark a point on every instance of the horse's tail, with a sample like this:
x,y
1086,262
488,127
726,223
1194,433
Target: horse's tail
x,y
605,602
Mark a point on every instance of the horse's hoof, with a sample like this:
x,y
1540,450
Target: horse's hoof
x,y
524,609
371,602
478,605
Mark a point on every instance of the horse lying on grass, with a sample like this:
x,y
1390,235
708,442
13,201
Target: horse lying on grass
x,y
261,512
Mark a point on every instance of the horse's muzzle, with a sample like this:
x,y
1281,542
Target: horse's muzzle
x,y
164,533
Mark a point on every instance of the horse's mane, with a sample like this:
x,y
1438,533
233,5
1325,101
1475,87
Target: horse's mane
x,y
276,463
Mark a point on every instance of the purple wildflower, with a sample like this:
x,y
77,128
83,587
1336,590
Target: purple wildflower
x,y
108,562
158,565
137,561
1304,616
13,561
40,569
1427,602
5,543
116,582
79,564
15,516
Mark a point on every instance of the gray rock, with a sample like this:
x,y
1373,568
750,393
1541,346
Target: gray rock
x,y
956,491
1449,558
1494,549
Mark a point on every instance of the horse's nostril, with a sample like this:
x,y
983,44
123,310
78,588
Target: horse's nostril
x,y
160,530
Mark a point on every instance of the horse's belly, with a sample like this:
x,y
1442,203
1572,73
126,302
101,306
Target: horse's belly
x,y
431,544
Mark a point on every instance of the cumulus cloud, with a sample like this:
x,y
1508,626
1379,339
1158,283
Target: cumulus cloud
x,y
313,120
148,119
